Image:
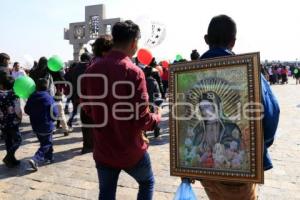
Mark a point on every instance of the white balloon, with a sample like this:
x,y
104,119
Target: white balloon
x,y
153,32
28,61
158,35
144,23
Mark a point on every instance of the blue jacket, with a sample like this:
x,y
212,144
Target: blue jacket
x,y
38,107
271,107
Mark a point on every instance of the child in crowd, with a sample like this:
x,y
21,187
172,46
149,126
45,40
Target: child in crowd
x,y
10,119
61,114
42,111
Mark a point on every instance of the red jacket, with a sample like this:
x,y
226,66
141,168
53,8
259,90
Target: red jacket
x,y
118,143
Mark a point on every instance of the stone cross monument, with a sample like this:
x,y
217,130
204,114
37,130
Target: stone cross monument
x,y
95,25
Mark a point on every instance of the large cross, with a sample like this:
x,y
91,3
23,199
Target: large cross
x,y
95,25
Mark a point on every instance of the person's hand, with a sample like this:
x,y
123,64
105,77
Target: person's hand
x,y
158,110
188,179
145,139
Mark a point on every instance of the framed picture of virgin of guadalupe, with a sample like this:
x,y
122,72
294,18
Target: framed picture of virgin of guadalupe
x,y
216,119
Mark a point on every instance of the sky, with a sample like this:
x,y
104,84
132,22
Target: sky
x,y
34,28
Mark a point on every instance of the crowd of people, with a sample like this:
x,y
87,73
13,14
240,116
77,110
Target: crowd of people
x,y
279,73
51,91
119,144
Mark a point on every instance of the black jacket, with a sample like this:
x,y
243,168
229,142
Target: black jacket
x,y
153,89
73,75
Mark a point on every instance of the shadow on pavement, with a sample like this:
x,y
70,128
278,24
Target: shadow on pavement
x,y
66,140
164,139
13,172
26,135
161,140
29,137
24,168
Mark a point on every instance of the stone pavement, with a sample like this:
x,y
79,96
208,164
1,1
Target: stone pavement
x,y
73,176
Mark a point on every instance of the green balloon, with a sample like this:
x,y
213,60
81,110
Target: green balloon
x,y
178,57
296,71
55,64
24,87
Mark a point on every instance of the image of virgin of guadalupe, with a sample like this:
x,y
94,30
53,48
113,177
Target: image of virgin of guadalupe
x,y
213,127
217,139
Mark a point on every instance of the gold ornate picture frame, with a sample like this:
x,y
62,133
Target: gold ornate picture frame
x,y
216,119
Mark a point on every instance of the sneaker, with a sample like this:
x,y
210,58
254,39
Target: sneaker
x,y
49,161
33,164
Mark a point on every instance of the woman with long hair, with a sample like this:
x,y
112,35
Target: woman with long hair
x,y
42,71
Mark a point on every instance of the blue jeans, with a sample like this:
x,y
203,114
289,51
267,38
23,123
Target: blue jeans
x,y
45,152
142,173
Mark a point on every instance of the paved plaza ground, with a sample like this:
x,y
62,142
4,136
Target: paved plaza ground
x,y
73,176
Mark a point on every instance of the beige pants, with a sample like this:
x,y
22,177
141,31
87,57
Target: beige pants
x,y
229,191
61,116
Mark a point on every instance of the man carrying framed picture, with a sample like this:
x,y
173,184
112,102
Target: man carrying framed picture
x,y
221,39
